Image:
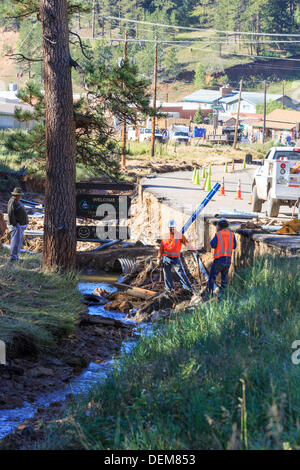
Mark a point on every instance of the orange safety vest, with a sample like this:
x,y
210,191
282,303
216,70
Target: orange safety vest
x,y
225,243
172,246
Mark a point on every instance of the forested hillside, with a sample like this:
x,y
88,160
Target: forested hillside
x,y
212,36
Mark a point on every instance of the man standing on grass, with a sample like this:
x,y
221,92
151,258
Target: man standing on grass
x,y
224,243
17,222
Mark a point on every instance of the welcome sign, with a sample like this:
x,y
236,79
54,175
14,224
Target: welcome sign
x,y
103,207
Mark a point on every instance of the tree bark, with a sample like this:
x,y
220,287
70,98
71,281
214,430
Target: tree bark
x,y
60,207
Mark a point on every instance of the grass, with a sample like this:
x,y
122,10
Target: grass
x,y
37,308
202,151
218,377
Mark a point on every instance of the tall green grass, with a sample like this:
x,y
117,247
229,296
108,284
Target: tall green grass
x,y
37,308
218,377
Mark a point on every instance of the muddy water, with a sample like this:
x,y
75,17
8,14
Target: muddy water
x,y
95,372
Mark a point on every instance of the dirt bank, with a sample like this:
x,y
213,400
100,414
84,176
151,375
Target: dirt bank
x,y
26,377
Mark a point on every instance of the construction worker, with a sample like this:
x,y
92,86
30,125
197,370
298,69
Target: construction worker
x,y
17,222
224,243
169,256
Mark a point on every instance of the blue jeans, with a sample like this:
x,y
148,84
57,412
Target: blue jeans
x,y
167,264
16,241
215,269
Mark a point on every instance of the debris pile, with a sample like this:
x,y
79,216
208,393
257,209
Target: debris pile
x,y
142,292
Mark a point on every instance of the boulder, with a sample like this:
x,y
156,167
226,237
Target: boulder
x,y
101,292
92,299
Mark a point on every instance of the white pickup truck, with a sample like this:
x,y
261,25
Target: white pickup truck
x,y
277,181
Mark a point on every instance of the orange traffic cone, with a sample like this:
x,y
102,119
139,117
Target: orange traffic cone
x,y
222,188
232,165
239,192
251,199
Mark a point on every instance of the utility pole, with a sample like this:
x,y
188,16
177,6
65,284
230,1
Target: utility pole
x,y
265,110
93,21
123,160
154,100
167,99
282,95
238,116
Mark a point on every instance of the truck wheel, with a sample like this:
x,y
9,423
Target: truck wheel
x,y
273,206
256,203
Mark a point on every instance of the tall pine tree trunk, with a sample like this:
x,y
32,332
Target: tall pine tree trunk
x,y
60,209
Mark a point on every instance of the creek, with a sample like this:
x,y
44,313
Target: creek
x,y
10,419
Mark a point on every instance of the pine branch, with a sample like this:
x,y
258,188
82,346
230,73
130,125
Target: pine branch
x,y
22,57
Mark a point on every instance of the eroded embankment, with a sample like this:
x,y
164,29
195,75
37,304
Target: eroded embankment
x,y
151,222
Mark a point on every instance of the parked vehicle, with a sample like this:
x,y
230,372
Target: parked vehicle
x,y
132,135
145,135
227,136
180,135
277,180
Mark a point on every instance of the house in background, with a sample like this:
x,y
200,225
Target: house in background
x,y
249,101
228,98
8,119
180,110
207,99
279,124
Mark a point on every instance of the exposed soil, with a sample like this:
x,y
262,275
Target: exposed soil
x,y
95,339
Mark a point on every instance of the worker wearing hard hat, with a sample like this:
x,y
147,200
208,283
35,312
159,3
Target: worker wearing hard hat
x,y
224,243
169,256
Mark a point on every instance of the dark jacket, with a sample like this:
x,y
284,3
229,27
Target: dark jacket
x,y
16,213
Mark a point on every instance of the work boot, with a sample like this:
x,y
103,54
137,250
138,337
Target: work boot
x,y
206,295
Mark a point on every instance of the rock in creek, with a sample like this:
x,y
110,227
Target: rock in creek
x,y
92,299
101,292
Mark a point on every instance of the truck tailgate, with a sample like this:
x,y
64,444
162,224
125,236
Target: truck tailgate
x,y
287,179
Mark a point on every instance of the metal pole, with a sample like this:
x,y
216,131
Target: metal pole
x,y
265,110
154,100
238,116
123,160
282,95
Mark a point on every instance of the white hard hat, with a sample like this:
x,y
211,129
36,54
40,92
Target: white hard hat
x,y
172,223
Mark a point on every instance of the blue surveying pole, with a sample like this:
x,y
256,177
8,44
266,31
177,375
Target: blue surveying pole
x,y
192,219
200,208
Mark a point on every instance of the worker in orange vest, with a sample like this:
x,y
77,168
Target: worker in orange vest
x,y
224,243
169,256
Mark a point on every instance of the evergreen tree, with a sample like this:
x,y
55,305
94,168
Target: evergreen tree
x,y
200,74
171,61
198,118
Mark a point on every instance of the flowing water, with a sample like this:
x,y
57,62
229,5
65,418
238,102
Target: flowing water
x,y
95,372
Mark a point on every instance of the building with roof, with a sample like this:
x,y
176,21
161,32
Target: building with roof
x,y
8,119
280,123
249,101
207,99
228,98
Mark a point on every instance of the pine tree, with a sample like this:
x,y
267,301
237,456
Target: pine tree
x,y
198,118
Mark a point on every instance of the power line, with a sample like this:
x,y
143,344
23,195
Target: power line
x,y
170,42
187,28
